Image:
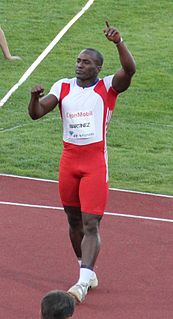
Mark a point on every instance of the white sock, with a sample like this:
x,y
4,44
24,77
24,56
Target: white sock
x,y
80,262
85,275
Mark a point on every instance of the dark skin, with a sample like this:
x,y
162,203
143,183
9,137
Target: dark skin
x,y
84,227
87,70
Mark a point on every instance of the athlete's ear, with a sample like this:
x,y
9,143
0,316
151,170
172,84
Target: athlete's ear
x,y
99,67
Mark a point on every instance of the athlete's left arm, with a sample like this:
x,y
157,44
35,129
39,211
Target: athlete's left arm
x,y
122,79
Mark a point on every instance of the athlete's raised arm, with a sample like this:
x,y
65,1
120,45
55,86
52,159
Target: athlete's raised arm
x,y
40,105
122,79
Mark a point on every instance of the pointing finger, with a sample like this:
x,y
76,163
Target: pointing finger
x,y
107,24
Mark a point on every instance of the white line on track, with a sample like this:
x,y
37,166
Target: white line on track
x,y
45,53
111,188
142,193
30,178
166,220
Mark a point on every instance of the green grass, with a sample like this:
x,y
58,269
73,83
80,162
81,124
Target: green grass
x,y
141,131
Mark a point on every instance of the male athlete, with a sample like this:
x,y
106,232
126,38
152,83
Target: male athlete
x,y
86,103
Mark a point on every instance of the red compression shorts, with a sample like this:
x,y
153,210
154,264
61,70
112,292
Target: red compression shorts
x,y
82,177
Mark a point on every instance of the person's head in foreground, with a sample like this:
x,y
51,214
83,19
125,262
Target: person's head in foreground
x,y
57,304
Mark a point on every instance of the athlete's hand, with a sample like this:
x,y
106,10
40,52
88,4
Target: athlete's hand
x,y
37,91
112,33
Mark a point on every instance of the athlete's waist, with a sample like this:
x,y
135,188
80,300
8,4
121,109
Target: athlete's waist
x,y
88,148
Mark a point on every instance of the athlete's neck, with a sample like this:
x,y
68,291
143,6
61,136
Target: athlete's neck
x,y
86,83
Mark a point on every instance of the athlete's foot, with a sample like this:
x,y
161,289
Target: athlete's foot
x,y
13,57
79,291
93,283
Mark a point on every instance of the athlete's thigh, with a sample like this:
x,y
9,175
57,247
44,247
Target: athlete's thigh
x,y
68,186
93,192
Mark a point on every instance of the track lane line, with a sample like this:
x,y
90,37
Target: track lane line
x,y
110,188
166,220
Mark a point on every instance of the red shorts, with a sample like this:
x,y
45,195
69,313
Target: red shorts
x,y
82,178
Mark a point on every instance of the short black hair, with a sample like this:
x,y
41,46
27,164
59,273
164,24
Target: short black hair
x,y
99,56
57,304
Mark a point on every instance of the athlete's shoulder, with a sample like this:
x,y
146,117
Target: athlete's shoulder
x,y
64,80
108,82
58,85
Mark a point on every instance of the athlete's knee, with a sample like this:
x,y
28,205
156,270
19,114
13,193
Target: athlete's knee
x,y
91,224
75,224
74,217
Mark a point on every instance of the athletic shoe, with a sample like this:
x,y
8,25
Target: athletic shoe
x,y
79,291
93,283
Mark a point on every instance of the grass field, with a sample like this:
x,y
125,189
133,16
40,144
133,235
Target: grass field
x,y
140,137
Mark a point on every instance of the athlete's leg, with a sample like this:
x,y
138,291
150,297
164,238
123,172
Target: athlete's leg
x,y
92,207
87,193
90,245
75,228
5,48
69,193
93,203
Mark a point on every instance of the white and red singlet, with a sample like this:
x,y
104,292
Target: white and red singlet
x,y
85,112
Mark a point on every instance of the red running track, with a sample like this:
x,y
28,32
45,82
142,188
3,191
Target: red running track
x,y
135,266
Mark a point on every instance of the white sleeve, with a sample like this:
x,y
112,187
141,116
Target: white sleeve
x,y
56,88
108,81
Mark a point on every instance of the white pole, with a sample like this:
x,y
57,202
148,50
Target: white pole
x,y
45,53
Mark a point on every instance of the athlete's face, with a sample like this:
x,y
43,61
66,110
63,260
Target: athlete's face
x,y
86,66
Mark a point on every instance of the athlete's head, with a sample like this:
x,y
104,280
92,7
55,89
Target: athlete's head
x,y
89,63
57,304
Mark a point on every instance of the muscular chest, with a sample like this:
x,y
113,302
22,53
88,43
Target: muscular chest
x,y
82,112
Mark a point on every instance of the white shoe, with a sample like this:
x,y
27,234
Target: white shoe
x,y
93,283
79,291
